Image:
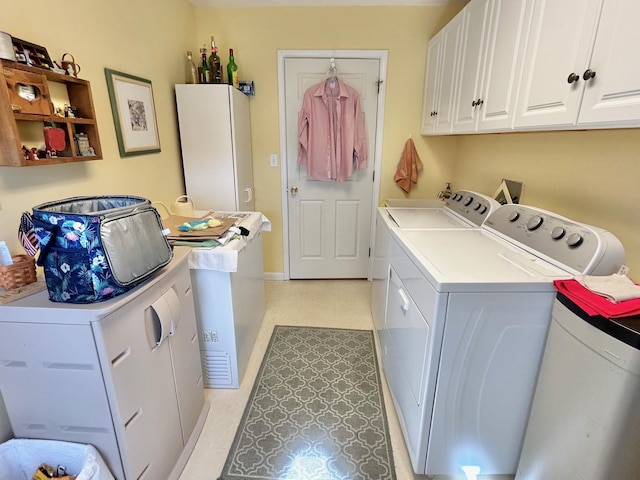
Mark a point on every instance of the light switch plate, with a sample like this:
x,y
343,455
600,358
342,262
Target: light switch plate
x,y
273,159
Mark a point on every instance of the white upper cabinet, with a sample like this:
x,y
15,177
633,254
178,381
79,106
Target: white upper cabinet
x,y
613,94
558,51
475,27
503,64
491,61
440,78
434,52
525,65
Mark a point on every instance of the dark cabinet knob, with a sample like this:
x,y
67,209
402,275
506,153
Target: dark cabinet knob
x,y
588,74
573,77
477,103
473,103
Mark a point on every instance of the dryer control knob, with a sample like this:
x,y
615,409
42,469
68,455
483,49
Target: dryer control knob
x,y
467,201
557,233
574,240
483,209
513,216
477,206
534,222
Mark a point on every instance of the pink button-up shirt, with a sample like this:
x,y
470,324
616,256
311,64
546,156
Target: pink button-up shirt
x,y
331,136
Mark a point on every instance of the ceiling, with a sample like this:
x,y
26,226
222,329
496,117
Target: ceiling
x,y
312,3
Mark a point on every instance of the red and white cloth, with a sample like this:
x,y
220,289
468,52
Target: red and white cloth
x,y
612,296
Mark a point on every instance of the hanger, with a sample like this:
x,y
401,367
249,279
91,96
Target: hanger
x,y
333,77
333,71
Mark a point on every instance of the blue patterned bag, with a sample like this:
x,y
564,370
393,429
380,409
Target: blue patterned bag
x,y
95,248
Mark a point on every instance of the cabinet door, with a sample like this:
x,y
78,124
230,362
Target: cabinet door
x,y
242,156
559,43
431,83
503,63
185,352
140,385
475,26
445,104
613,95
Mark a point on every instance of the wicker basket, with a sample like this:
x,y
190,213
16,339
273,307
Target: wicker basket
x,y
22,272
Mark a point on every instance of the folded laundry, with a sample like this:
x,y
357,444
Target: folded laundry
x,y
616,287
595,304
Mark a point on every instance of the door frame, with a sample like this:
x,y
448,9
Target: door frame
x,y
381,55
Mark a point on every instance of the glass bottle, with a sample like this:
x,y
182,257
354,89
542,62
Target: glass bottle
x,y
191,72
215,65
204,71
232,71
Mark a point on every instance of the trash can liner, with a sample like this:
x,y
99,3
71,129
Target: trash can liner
x,y
19,459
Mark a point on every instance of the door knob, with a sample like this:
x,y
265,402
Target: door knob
x,y
588,74
294,190
573,77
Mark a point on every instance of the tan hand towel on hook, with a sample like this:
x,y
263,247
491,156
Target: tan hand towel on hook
x,y
408,167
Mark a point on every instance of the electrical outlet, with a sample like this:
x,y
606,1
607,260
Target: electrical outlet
x,y
273,159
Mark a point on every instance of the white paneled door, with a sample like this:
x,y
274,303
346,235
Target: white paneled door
x,y
329,223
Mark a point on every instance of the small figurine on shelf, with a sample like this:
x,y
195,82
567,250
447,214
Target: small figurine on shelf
x,y
59,112
33,154
70,111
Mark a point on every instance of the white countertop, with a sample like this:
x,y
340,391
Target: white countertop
x,y
224,258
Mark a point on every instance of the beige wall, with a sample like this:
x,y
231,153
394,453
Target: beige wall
x,y
146,38
403,31
591,176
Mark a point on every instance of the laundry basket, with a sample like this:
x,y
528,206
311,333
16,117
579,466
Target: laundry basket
x,y
19,459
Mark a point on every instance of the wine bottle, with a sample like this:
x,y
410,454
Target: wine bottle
x,y
215,64
191,72
205,72
232,71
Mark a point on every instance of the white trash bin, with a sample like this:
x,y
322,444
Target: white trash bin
x,y
19,459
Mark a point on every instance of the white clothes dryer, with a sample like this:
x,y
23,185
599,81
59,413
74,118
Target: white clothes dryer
x,y
466,316
463,210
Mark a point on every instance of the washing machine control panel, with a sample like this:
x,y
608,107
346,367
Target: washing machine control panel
x,y
564,242
474,207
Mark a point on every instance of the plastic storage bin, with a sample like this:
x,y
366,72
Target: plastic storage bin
x,y
19,459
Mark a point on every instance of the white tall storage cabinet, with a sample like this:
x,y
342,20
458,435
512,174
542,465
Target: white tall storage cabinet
x,y
215,137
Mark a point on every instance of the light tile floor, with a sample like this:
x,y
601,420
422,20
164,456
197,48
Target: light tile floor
x,y
323,303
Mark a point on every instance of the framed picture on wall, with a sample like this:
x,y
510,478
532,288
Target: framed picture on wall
x,y
134,113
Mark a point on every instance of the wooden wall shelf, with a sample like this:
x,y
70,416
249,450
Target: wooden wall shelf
x,y
79,94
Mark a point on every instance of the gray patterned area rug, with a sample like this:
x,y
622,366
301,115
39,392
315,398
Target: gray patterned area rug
x,y
316,411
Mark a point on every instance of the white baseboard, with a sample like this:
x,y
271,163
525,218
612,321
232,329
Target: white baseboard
x,y
274,276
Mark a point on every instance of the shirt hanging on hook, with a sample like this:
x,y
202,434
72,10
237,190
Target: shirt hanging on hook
x,y
331,132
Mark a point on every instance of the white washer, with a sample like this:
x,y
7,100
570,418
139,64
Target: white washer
x,y
466,316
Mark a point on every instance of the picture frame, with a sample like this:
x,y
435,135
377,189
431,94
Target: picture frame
x,y
134,113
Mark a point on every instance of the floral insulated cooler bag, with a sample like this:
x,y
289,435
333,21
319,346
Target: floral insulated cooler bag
x,y
95,248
